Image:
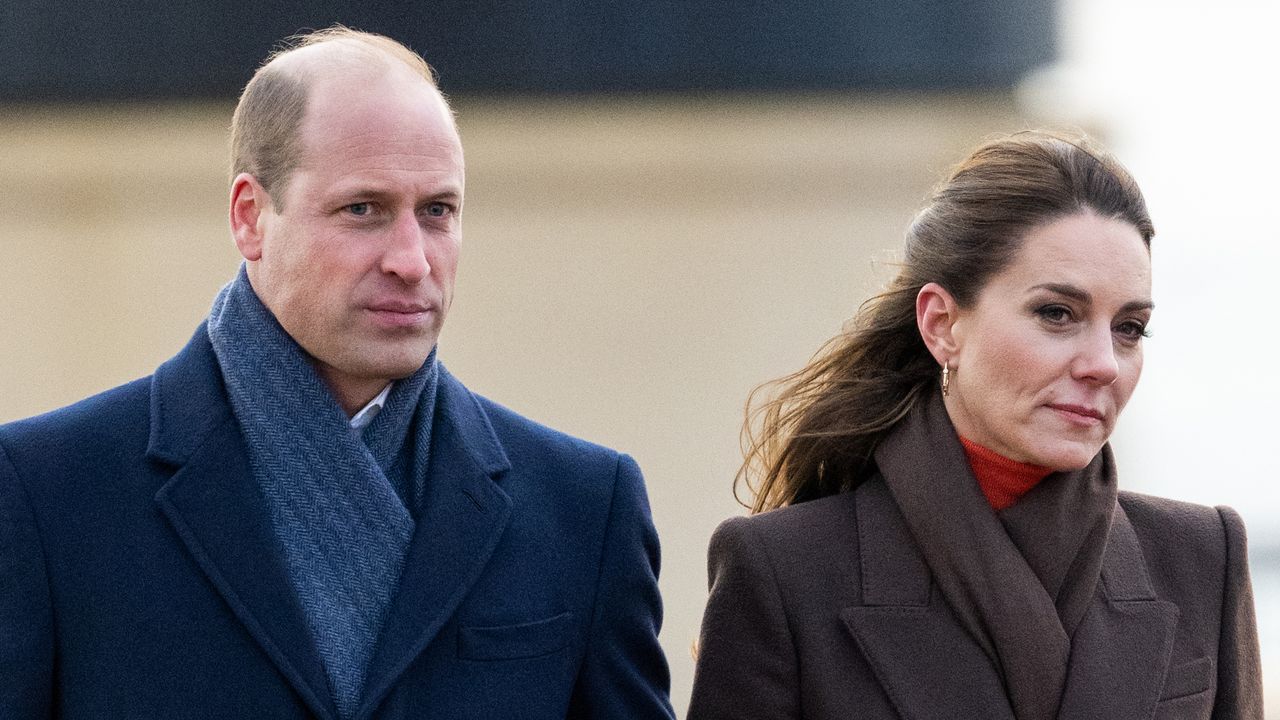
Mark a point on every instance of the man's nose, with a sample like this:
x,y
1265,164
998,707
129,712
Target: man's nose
x,y
405,255
1096,361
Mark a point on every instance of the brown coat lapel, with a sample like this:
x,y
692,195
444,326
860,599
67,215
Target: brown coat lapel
x,y
930,667
1120,652
991,589
1024,584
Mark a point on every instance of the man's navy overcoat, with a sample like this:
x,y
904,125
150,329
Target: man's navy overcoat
x,y
140,576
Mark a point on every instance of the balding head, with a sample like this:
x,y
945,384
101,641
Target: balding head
x,y
265,139
346,206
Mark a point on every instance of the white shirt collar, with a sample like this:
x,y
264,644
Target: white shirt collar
x,y
367,413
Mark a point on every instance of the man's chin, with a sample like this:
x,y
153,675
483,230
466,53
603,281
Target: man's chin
x,y
399,368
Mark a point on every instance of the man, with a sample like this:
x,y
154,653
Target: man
x,y
303,514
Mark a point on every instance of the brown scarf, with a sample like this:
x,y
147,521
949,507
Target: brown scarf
x,y
1019,581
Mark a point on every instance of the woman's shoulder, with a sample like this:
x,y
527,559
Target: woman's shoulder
x,y
1186,545
795,545
1180,522
793,524
802,556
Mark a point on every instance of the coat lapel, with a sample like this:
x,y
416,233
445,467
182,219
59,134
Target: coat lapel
x,y
1120,652
985,580
930,667
215,506
463,517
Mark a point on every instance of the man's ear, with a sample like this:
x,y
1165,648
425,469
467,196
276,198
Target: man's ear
x,y
937,314
250,205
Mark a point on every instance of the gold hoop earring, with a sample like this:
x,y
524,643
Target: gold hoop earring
x,y
946,378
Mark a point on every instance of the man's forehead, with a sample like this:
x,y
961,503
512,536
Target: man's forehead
x,y
354,112
363,130
345,67
357,99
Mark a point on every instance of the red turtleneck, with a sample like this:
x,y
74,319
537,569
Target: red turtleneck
x,y
1002,480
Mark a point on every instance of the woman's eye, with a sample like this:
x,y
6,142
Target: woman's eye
x,y
437,209
1133,330
359,209
1056,314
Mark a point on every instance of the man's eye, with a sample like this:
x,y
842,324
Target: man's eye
x,y
359,209
437,209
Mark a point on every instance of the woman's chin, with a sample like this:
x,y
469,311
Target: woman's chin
x,y
1068,456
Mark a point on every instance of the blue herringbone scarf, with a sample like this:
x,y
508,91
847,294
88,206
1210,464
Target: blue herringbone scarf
x,y
340,501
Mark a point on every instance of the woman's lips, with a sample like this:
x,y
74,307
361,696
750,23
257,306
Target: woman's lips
x,y
1078,414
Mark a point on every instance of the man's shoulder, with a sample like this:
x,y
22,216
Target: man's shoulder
x,y
104,416
122,411
534,460
61,455
528,434
529,443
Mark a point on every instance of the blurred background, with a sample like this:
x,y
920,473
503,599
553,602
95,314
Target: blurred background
x,y
667,204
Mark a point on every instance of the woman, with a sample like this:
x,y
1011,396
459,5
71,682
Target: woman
x,y
946,539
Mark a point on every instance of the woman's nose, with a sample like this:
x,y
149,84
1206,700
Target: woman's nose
x,y
1097,362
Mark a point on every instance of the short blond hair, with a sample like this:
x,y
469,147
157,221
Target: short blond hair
x,y
264,128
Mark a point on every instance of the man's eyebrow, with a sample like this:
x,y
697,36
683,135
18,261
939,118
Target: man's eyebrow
x,y
446,193
1082,296
379,191
359,190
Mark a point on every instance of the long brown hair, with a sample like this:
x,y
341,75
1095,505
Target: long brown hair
x,y
812,433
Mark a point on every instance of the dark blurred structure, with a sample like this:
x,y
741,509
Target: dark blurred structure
x,y
98,49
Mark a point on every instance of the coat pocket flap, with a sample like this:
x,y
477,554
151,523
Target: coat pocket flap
x,y
1188,678
509,642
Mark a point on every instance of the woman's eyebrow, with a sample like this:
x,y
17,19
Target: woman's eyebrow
x,y
1071,291
1082,296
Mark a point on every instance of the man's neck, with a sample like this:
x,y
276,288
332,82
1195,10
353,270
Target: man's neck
x,y
352,393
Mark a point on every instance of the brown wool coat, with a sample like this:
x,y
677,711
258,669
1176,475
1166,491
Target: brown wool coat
x,y
829,609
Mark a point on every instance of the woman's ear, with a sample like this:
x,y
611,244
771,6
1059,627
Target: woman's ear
x,y
937,313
